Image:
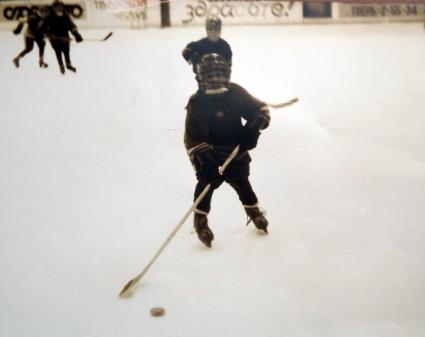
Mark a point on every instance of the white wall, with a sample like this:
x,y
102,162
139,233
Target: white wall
x,y
146,13
377,13
194,12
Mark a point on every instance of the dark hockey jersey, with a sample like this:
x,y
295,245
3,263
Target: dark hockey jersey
x,y
57,27
216,120
34,23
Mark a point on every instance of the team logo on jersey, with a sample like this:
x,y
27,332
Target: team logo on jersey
x,y
219,114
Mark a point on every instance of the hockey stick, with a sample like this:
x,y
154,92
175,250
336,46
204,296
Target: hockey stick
x,y
284,104
99,40
126,291
89,39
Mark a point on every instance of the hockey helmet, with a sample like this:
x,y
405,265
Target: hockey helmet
x,y
213,74
58,7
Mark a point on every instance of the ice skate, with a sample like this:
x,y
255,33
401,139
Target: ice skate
x,y
71,67
257,217
204,232
62,69
42,64
16,62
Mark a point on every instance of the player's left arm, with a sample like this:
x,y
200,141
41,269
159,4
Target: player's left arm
x,y
227,52
254,111
74,30
257,116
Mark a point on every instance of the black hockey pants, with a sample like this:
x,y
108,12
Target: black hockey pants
x,y
61,46
29,45
236,175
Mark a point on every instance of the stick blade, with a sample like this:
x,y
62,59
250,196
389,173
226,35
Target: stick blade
x,y
284,104
125,292
107,36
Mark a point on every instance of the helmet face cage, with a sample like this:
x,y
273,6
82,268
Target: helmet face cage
x,y
213,73
213,23
58,6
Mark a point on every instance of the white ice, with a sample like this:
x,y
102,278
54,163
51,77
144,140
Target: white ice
x,y
94,177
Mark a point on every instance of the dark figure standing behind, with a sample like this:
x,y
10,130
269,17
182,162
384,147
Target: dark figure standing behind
x,y
213,129
57,27
213,43
33,33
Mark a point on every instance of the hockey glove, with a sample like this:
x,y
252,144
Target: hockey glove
x,y
248,138
194,58
78,37
18,28
208,170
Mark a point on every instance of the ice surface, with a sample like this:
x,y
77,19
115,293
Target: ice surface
x,y
94,176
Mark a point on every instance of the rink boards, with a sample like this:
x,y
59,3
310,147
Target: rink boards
x,y
146,13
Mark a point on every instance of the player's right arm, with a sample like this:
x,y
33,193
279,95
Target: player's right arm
x,y
190,53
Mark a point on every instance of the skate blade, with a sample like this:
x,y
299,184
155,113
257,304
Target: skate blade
x,y
206,239
206,243
263,229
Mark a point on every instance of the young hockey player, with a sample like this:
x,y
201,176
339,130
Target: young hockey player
x,y
33,34
213,128
213,43
57,27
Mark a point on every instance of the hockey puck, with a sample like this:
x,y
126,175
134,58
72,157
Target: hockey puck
x,y
157,312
